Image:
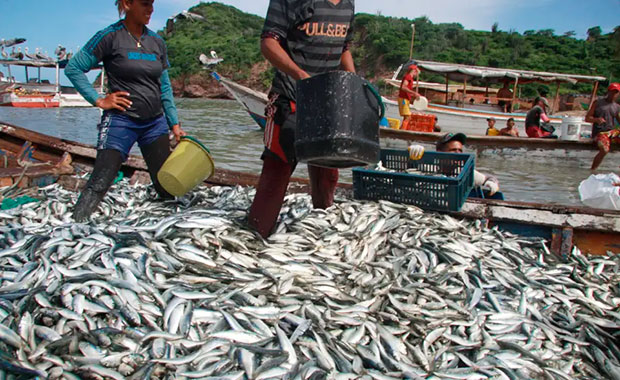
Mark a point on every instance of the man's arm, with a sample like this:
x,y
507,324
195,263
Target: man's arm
x,y
403,87
275,54
346,62
488,181
504,95
590,116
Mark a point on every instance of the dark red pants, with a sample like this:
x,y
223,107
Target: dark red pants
x,y
536,132
272,187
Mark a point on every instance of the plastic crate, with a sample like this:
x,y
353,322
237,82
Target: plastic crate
x,y
423,127
422,122
444,191
394,123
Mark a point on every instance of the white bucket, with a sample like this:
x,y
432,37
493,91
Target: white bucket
x,y
570,130
420,104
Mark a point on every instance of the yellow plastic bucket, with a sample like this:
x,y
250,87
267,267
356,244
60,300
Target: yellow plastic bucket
x,y
188,165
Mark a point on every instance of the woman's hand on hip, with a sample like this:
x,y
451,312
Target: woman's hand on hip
x,y
178,132
117,100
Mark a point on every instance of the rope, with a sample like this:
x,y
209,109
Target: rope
x,y
6,191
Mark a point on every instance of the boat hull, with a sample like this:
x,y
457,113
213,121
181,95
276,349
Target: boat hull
x,y
11,99
73,100
473,121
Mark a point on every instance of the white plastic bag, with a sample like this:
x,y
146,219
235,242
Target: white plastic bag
x,y
599,191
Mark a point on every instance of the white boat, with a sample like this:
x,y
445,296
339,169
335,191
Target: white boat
x,y
461,116
254,102
68,99
38,93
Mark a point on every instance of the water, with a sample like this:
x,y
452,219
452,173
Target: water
x,y
236,144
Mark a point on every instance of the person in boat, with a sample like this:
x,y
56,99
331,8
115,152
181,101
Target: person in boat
x,y
299,40
453,143
510,130
406,95
603,114
504,96
533,126
139,106
491,131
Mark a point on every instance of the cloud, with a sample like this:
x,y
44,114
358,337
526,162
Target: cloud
x,y
181,3
258,7
473,14
477,14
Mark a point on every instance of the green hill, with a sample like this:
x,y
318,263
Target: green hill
x,y
382,44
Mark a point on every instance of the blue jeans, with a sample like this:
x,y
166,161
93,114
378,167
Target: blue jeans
x,y
119,132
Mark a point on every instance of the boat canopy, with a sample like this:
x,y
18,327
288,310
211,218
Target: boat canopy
x,y
34,63
460,73
440,87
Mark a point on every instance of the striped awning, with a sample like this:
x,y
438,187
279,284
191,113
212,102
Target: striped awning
x,y
460,73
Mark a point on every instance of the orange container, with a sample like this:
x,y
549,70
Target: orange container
x,y
422,123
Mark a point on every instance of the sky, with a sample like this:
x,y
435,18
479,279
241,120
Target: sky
x,y
71,23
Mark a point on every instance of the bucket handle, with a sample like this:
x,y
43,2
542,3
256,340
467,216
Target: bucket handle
x,y
376,94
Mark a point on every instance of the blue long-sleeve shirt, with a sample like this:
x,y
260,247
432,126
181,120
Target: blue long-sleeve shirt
x,y
137,66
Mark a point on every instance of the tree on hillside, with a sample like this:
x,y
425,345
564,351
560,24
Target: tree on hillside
x,y
545,32
616,39
381,44
495,28
594,33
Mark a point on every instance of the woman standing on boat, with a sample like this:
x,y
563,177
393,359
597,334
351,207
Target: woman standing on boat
x,y
139,107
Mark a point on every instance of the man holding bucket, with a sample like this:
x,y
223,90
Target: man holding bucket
x,y
300,39
406,95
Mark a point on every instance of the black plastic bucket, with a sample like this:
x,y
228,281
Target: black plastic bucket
x,y
338,116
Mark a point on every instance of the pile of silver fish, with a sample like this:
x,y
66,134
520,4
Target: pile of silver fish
x,y
185,290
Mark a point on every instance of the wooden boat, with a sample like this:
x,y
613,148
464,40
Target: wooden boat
x,y
38,159
458,115
254,103
36,93
481,143
28,95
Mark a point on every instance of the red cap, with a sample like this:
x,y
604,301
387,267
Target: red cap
x,y
411,67
614,87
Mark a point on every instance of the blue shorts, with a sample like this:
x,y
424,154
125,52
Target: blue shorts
x,y
119,132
